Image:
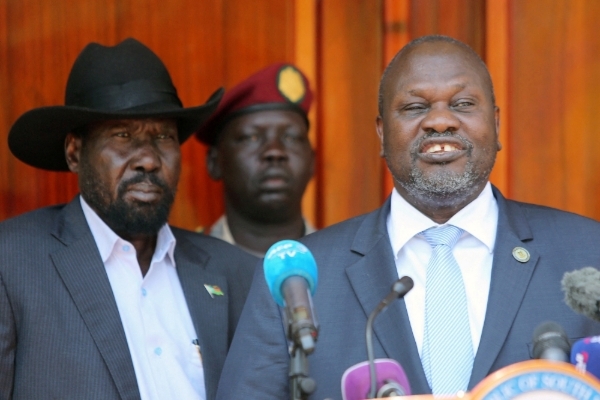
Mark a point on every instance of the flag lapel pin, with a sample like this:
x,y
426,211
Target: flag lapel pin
x,y
213,290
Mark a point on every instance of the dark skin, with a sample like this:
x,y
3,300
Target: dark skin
x,y
436,88
117,150
265,161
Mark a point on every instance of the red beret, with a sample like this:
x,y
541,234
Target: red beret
x,y
279,86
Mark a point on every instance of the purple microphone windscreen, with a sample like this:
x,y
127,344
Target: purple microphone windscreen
x,y
356,381
585,355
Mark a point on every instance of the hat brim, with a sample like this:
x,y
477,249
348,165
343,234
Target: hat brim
x,y
38,137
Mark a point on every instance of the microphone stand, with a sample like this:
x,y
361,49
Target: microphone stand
x,y
302,334
399,289
301,385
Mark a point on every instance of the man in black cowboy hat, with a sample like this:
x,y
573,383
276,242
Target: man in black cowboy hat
x,y
100,298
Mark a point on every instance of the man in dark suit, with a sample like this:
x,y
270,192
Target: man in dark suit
x,y
100,298
498,273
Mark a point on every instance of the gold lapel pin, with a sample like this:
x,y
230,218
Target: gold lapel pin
x,y
521,254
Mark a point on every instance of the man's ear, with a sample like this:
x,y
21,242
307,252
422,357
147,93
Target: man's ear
x,y
212,163
497,122
379,128
73,151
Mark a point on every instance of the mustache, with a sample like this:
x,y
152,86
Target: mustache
x,y
143,177
468,145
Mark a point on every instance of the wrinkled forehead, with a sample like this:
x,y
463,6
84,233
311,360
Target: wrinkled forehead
x,y
437,63
131,124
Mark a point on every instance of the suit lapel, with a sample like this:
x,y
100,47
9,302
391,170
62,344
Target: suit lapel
x,y
82,271
508,274
371,279
209,314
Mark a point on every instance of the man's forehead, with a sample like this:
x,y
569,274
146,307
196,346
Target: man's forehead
x,y
436,54
442,62
125,122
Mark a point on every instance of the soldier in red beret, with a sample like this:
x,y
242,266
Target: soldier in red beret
x,y
259,148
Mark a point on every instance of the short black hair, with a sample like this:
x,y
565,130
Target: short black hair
x,y
432,39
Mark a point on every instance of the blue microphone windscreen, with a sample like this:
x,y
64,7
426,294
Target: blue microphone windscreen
x,y
288,258
585,355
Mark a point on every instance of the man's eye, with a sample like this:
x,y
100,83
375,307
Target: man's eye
x,y
250,138
463,103
294,137
122,134
415,107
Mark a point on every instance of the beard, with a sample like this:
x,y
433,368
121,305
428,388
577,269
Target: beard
x,y
445,188
127,219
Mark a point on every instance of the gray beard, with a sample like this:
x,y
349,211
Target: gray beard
x,y
445,189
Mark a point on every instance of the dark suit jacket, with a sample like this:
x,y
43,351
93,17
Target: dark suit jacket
x,y
60,331
356,271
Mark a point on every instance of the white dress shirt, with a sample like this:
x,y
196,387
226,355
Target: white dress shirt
x,y
154,314
474,253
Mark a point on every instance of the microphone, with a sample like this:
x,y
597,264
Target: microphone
x,y
291,275
585,355
393,381
582,292
550,342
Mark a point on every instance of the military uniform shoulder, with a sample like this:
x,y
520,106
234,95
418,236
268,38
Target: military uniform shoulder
x,y
211,245
341,231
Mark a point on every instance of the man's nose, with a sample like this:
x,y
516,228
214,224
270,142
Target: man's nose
x,y
440,119
274,149
146,157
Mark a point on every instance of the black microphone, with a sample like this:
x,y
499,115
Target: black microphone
x,y
550,342
582,292
399,289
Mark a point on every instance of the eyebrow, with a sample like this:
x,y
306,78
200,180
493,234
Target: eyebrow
x,y
117,124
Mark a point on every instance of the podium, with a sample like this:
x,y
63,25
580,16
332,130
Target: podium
x,y
530,380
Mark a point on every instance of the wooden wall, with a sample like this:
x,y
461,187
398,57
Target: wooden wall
x,y
554,100
543,56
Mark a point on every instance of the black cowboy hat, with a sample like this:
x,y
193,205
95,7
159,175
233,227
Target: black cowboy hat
x,y
124,81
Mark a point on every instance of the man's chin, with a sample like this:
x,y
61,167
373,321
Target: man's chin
x,y
137,218
275,199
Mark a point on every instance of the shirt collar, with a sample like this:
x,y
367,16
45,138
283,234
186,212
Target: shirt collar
x,y
479,218
106,239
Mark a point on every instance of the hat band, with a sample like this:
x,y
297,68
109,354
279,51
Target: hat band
x,y
128,95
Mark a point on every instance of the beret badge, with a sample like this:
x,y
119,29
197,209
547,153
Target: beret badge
x,y
290,84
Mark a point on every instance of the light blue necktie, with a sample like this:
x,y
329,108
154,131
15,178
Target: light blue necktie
x,y
447,354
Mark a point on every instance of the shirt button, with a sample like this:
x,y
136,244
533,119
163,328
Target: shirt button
x,y
126,248
158,351
144,293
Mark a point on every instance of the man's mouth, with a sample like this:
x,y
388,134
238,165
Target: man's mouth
x,y
442,149
274,180
438,148
144,192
